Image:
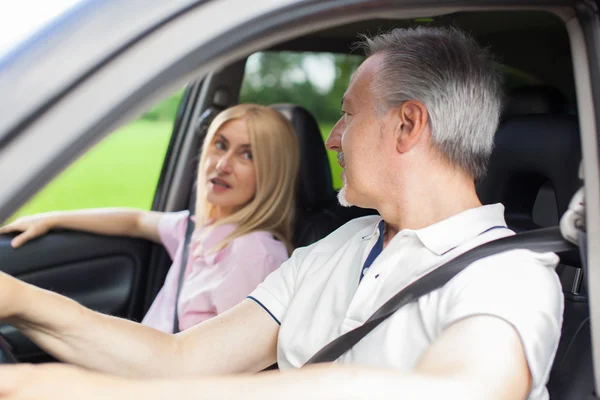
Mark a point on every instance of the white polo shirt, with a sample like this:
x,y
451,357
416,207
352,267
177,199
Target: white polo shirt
x,y
316,295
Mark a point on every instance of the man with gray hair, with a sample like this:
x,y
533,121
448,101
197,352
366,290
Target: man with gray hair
x,y
418,122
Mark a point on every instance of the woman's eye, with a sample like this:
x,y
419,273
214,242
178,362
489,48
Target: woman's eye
x,y
247,155
219,145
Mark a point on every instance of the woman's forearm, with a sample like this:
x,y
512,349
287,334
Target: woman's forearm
x,y
109,221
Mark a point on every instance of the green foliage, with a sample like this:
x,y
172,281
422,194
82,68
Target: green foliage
x,y
166,109
121,171
285,78
336,170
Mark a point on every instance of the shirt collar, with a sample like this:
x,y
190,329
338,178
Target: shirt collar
x,y
444,236
377,231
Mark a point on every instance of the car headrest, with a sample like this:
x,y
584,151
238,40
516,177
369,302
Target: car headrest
x,y
315,188
532,151
528,100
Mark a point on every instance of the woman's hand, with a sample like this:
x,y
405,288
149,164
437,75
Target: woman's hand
x,y
31,227
62,382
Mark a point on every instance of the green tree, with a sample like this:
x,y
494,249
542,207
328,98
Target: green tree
x,y
283,78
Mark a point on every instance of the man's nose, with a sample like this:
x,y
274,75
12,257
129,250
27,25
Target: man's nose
x,y
334,140
224,163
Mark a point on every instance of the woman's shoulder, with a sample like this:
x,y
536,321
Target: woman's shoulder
x,y
260,243
173,223
171,229
173,219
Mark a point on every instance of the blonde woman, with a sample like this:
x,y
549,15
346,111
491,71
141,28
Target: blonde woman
x,y
244,218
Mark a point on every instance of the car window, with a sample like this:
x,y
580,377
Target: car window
x,y
316,81
120,171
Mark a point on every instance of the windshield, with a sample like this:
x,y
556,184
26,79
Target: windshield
x,y
20,20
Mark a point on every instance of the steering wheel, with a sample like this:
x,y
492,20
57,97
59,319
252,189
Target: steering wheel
x,y
6,354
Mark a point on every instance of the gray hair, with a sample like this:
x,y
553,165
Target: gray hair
x,y
454,78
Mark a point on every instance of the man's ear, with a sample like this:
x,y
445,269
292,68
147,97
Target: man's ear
x,y
411,121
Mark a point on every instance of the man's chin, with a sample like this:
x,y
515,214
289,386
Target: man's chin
x,y
342,197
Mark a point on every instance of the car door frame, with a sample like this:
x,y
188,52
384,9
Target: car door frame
x,y
218,90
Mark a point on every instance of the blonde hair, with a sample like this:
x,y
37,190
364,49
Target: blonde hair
x,y
275,156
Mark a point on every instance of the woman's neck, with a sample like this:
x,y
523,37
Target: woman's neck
x,y
219,213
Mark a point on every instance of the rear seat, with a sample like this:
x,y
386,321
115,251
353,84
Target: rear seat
x,y
534,172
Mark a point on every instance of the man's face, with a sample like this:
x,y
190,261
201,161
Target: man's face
x,y
358,137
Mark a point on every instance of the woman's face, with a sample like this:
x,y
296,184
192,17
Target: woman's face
x,y
229,169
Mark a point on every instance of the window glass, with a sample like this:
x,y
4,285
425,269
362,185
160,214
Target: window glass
x,y
120,171
316,81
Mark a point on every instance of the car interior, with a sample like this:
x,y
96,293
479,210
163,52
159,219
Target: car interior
x,y
534,172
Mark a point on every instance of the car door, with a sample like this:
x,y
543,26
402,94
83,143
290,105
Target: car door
x,y
106,274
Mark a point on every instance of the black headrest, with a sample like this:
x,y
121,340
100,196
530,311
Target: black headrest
x,y
528,100
531,151
315,188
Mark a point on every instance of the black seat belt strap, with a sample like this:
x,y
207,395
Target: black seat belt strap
x,y
182,267
201,127
540,240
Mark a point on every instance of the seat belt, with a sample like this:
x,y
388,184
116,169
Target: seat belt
x,y
182,267
539,240
200,129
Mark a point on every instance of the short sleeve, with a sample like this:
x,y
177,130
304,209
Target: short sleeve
x,y
522,288
277,291
171,229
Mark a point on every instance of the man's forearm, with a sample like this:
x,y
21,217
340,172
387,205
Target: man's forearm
x,y
242,339
77,335
319,382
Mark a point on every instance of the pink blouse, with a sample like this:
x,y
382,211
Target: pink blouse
x,y
214,282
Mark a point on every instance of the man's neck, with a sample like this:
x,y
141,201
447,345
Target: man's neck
x,y
427,203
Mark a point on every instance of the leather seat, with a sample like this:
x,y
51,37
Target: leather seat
x,y
529,100
315,196
532,152
535,137
536,152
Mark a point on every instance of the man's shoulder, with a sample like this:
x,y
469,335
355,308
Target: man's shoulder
x,y
513,273
338,238
346,232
